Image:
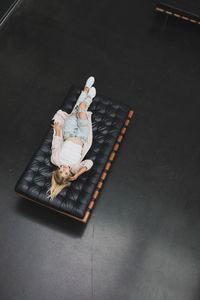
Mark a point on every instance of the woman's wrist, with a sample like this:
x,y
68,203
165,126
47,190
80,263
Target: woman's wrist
x,y
57,133
82,170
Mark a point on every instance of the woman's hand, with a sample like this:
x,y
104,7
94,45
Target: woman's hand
x,y
56,126
81,171
73,177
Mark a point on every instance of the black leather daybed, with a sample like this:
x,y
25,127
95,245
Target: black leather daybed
x,y
109,123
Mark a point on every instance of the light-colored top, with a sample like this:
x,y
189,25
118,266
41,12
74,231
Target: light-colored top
x,y
70,153
57,142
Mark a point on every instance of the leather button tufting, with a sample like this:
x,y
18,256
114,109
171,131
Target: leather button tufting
x,y
108,121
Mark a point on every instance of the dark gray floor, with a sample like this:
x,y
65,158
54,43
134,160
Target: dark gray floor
x,y
142,241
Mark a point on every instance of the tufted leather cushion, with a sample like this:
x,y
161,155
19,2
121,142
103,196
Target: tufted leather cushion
x,y
109,122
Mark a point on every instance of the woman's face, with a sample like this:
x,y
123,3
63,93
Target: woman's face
x,y
64,171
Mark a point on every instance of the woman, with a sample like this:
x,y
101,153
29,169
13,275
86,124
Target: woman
x,y
72,139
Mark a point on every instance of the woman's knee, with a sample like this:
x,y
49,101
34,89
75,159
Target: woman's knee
x,y
83,130
82,105
83,121
82,115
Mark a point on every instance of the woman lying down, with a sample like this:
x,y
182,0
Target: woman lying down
x,y
71,141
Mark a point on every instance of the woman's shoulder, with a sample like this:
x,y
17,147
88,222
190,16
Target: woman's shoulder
x,y
60,111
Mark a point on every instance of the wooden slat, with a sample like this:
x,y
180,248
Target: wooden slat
x,y
86,217
127,122
116,147
159,9
91,205
123,130
131,112
107,167
112,155
99,185
95,194
120,137
168,12
103,176
61,212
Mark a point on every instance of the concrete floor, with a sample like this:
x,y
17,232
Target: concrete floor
x,y
142,241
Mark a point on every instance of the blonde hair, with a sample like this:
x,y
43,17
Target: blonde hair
x,y
57,184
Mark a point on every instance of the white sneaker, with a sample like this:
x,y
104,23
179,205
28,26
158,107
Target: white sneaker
x,y
89,82
92,93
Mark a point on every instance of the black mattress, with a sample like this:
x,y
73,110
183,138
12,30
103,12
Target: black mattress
x,y
109,123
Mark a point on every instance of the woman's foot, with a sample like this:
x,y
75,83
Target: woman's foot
x,y
92,93
89,83
86,89
90,96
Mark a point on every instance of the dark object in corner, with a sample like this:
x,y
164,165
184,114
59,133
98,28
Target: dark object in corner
x,y
181,9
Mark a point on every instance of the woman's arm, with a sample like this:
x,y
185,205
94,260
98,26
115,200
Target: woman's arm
x,y
57,132
57,142
81,171
87,163
57,128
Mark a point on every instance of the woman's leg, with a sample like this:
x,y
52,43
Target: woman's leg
x,y
77,122
82,119
70,126
80,99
